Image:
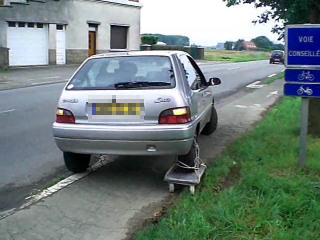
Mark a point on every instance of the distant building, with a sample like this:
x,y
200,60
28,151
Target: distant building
x,y
41,32
161,43
220,46
249,45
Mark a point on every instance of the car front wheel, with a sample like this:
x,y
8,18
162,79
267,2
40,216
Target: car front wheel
x,y
75,162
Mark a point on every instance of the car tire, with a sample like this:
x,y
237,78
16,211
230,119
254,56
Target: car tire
x,y
213,124
270,62
189,158
75,162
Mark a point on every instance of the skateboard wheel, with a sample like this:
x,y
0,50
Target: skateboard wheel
x,y
192,189
171,187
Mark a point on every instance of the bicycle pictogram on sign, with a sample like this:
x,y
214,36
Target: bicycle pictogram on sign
x,y
306,75
307,91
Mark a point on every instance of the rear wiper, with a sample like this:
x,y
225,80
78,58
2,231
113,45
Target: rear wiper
x,y
140,84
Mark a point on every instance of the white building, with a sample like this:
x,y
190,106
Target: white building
x,y
40,32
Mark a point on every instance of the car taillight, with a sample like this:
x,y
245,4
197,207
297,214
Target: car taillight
x,y
64,116
175,116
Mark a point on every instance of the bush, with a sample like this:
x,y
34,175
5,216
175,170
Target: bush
x,y
149,39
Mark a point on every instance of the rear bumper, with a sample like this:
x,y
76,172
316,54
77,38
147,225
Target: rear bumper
x,y
117,147
124,140
277,60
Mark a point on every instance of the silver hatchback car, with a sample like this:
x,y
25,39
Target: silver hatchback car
x,y
134,103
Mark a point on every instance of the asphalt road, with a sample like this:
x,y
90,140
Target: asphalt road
x,y
28,155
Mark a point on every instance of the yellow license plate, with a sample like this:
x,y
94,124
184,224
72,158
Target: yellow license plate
x,y
117,108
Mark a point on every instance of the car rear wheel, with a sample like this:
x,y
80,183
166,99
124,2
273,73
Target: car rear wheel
x,y
76,162
212,125
189,158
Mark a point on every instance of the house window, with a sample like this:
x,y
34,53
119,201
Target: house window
x,y
11,24
39,25
119,37
59,27
21,24
31,25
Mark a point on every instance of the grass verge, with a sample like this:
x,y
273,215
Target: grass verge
x,y
253,190
276,77
235,56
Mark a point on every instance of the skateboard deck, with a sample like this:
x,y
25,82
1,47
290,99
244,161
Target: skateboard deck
x,y
182,176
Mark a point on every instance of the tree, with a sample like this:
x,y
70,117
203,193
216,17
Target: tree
x,y
149,39
228,45
172,39
238,45
290,12
277,46
262,42
284,12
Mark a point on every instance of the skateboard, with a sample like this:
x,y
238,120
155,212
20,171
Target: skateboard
x,y
182,176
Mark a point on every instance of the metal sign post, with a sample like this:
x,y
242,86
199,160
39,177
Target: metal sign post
x,y
303,74
303,132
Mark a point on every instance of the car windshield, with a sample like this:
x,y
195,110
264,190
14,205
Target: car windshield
x,y
129,72
277,52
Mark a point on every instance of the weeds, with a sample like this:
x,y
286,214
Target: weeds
x,y
235,56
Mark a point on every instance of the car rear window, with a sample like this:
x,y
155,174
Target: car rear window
x,y
277,52
130,72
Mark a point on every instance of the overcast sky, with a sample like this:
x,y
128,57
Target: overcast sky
x,y
205,22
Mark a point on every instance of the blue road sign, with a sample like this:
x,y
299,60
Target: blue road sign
x,y
302,75
303,45
302,90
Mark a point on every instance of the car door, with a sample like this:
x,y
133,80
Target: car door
x,y
201,94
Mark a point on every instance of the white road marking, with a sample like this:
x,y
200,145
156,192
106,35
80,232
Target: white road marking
x,y
7,111
272,75
254,106
234,68
258,107
241,106
37,83
255,85
37,79
272,93
60,185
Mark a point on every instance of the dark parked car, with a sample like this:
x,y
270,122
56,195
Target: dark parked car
x,y
277,56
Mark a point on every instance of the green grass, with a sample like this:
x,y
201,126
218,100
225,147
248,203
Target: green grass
x,y
235,56
276,77
254,190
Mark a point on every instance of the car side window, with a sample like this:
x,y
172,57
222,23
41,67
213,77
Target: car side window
x,y
192,75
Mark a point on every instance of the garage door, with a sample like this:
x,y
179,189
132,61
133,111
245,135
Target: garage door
x,y
28,44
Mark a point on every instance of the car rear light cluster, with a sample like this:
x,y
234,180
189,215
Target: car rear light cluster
x,y
175,116
64,116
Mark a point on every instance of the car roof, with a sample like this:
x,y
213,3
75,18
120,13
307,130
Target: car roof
x,y
137,53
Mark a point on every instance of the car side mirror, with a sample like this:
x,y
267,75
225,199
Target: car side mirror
x,y
214,81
